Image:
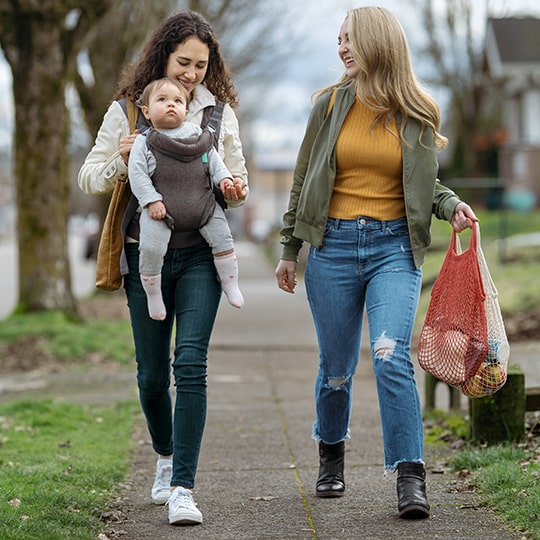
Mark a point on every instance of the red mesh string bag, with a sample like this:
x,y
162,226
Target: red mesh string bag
x,y
454,338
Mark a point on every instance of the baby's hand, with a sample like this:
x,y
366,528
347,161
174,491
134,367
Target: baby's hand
x,y
227,188
157,210
225,185
233,190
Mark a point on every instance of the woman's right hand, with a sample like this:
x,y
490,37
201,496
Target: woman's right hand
x,y
126,144
286,275
463,218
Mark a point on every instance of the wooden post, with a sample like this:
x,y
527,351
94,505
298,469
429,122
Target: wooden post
x,y
430,387
532,398
500,417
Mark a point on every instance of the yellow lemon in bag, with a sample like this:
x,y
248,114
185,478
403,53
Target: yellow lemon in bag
x,y
493,376
473,387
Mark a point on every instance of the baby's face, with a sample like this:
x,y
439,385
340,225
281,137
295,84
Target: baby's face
x,y
167,107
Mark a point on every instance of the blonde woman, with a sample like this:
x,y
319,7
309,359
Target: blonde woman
x,y
364,191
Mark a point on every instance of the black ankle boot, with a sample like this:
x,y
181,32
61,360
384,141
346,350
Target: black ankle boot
x,y
331,482
411,489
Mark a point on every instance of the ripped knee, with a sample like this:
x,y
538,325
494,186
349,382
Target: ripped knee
x,y
336,383
384,347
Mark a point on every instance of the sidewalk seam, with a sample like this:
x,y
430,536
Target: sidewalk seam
x,y
277,402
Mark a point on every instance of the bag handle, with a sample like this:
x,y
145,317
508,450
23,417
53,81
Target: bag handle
x,y
132,114
489,285
474,243
476,248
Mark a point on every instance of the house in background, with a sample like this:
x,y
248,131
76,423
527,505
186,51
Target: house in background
x,y
512,52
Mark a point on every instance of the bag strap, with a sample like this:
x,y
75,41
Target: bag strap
x,y
212,117
131,111
132,114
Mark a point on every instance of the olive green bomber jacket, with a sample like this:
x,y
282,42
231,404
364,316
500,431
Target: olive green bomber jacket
x,y
315,173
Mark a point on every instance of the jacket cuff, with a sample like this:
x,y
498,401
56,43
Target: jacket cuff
x,y
290,253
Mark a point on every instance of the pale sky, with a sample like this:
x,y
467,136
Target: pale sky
x,y
288,101
316,64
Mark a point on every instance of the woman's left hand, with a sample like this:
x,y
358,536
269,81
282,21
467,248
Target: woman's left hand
x,y
463,217
286,275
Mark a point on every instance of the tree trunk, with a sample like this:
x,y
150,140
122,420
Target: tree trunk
x,y
40,40
41,136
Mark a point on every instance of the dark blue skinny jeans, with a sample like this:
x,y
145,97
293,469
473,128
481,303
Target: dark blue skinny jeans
x,y
191,293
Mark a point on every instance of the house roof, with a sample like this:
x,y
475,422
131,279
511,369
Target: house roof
x,y
517,39
513,46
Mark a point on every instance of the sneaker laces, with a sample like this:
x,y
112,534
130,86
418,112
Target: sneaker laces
x,y
181,498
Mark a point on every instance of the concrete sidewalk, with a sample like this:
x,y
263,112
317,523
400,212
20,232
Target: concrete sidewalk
x,y
258,464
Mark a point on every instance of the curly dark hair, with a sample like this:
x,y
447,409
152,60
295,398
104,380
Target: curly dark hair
x,y
152,63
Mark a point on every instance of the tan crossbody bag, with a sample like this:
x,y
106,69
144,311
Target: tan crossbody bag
x,y
108,276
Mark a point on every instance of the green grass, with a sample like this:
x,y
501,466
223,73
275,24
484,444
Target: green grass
x,y
506,475
66,338
59,462
492,222
438,424
509,480
59,465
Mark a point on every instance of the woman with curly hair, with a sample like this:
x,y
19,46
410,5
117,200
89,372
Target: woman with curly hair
x,y
183,48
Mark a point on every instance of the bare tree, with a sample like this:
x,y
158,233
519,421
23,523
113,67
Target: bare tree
x,y
251,35
457,55
40,41
97,75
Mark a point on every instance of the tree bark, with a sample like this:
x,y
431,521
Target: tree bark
x,y
41,171
40,43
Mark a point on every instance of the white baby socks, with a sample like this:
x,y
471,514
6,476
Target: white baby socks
x,y
152,288
227,269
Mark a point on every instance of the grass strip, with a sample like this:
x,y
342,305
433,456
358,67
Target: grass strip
x,y
508,478
60,463
64,337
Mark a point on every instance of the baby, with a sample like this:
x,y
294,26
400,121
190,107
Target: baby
x,y
169,168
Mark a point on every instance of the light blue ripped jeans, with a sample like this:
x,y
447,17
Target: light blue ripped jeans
x,y
366,262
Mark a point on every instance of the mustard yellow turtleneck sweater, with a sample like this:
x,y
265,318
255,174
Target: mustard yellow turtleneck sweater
x,y
369,169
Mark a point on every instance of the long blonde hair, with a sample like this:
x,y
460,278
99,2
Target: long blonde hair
x,y
386,82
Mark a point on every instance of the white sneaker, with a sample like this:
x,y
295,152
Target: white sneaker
x,y
162,482
182,509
